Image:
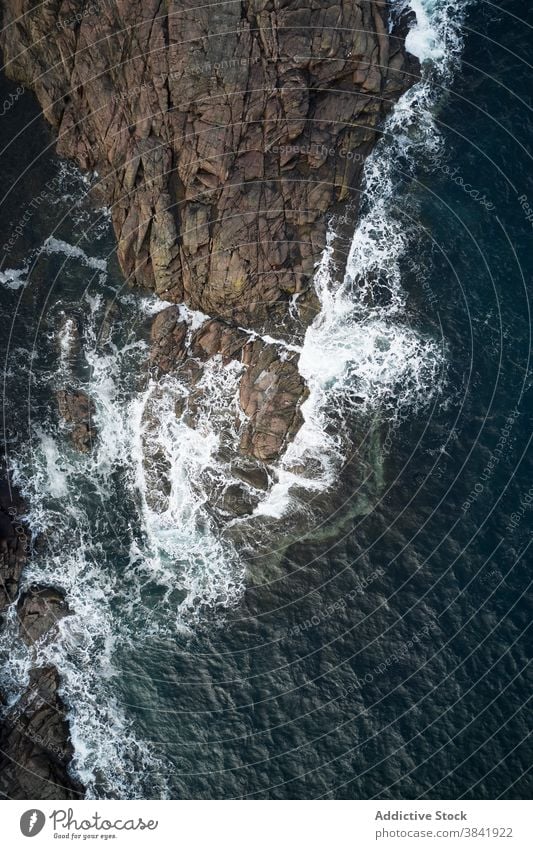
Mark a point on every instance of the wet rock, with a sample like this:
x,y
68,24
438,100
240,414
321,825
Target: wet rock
x,y
39,610
35,747
77,409
237,500
271,393
253,474
221,163
14,543
111,315
168,339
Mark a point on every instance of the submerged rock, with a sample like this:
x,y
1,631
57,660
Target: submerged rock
x,y
69,336
237,500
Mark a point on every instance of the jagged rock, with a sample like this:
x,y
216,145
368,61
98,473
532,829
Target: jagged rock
x,y
39,610
111,314
168,338
271,393
77,409
216,337
220,162
14,542
35,747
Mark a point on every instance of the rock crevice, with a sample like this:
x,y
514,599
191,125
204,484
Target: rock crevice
x,y
224,137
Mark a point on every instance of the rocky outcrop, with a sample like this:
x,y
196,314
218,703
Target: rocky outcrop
x,y
39,610
271,393
168,340
77,410
224,136
271,388
35,746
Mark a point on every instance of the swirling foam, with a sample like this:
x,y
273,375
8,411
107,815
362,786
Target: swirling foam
x,y
361,353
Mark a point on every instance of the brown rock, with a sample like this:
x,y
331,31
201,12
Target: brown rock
x,y
216,337
220,162
39,610
77,409
168,339
271,393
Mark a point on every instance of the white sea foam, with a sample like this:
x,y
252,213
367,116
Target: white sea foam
x,y
69,496
57,483
176,470
55,246
163,470
14,278
361,354
423,40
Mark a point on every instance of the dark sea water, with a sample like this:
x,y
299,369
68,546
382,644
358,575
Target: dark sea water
x,y
380,648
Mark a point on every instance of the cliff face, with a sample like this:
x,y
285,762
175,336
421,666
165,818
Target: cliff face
x,y
224,134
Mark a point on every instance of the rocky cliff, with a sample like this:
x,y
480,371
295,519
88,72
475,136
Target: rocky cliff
x,y
224,135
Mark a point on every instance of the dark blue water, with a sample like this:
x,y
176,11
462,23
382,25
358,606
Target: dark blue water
x,y
383,653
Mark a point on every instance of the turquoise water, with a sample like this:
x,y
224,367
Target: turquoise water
x,y
382,647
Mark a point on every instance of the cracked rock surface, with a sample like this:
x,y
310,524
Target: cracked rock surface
x,y
224,136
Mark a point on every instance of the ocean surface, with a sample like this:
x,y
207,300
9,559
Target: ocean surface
x,y
366,632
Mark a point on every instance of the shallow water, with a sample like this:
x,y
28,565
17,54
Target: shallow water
x,y
366,632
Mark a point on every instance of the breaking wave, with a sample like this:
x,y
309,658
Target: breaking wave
x,y
363,354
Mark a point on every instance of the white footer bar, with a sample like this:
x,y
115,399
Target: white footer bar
x,y
268,825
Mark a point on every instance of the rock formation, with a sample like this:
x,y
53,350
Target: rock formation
x,y
77,410
35,746
224,136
